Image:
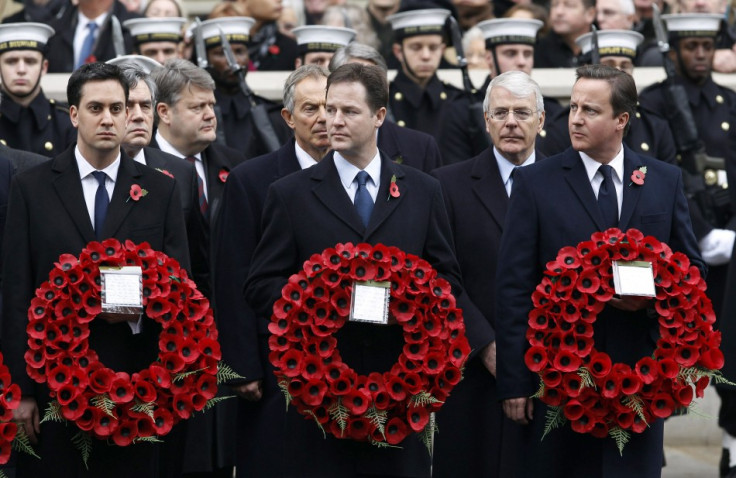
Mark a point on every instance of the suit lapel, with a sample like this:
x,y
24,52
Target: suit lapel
x,y
286,161
631,192
68,186
385,203
577,178
120,206
488,186
331,193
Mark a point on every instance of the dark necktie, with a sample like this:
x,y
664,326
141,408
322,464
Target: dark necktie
x,y
101,202
511,179
87,44
363,200
200,187
607,200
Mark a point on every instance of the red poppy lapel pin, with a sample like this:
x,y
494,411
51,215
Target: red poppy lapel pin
x,y
637,177
223,174
136,192
166,172
393,189
90,59
274,49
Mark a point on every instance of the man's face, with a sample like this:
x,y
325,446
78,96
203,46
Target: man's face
x,y
139,126
703,6
191,121
622,63
594,129
308,119
264,10
100,117
351,125
570,17
421,55
514,137
610,16
21,72
159,50
476,54
218,61
319,58
696,56
162,8
512,58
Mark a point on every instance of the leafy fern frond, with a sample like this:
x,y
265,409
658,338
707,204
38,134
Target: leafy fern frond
x,y
226,373
53,412
21,442
104,403
554,419
621,437
83,442
215,400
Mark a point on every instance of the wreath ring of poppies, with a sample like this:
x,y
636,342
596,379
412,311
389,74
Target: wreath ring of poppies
x,y
381,408
103,403
581,384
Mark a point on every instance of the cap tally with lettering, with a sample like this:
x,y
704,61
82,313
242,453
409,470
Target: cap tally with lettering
x,y
24,36
146,30
505,31
612,42
419,22
236,30
313,38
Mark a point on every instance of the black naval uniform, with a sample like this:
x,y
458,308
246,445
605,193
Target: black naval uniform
x,y
418,108
43,127
239,127
648,134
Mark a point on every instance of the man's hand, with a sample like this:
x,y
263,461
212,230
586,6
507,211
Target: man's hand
x,y
251,391
519,409
26,415
631,303
488,356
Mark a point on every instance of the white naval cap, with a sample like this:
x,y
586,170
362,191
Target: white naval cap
x,y
145,63
322,38
500,31
612,42
236,30
419,22
144,30
24,36
682,25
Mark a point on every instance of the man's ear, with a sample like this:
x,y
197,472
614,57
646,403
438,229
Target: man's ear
x,y
288,117
74,115
162,113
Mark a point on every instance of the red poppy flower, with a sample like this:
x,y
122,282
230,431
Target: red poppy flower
x,y
64,395
58,376
662,405
356,401
630,383
459,351
223,174
125,433
687,356
611,386
647,369
163,421
683,394
416,351
536,358
567,258
136,192
395,387
551,378
588,281
358,428
75,408
395,431
566,361
573,410
121,389
571,384
584,424
314,392
712,359
8,431
274,49
668,368
394,189
103,424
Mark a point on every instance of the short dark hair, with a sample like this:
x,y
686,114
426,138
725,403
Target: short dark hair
x,y
93,72
371,77
623,89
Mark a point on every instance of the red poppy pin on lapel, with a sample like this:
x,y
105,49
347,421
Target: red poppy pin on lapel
x,y
224,173
393,189
166,172
136,192
637,177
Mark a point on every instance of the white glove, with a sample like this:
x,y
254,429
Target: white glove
x,y
717,247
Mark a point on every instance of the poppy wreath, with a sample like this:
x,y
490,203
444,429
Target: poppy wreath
x,y
114,405
381,408
10,435
581,384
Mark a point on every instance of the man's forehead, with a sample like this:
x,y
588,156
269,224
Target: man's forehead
x,y
141,92
99,91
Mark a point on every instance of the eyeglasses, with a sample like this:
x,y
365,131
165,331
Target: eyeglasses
x,y
521,114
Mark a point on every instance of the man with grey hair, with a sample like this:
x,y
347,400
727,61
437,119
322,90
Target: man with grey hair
x,y
403,145
187,129
615,14
476,438
244,340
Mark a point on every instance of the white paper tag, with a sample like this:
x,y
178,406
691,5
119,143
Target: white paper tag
x,y
122,289
634,278
369,302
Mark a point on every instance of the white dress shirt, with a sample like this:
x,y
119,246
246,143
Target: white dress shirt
x,y
166,147
305,160
82,31
348,171
505,167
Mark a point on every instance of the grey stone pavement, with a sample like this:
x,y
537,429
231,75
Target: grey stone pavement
x,y
693,443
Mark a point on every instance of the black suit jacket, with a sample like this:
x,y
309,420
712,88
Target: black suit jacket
x,y
60,48
305,213
48,216
410,147
21,160
535,230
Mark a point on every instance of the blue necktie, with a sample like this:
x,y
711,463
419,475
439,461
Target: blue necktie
x,y
607,200
363,200
101,202
89,42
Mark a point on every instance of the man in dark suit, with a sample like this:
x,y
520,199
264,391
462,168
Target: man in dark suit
x,y
52,210
187,130
21,160
243,336
84,34
403,145
476,439
311,210
554,205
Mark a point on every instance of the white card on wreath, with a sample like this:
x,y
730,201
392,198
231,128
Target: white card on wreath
x,y
634,278
369,302
122,289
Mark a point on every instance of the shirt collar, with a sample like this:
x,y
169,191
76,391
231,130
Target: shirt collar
x,y
85,169
617,163
83,20
347,171
166,147
505,166
305,160
140,157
